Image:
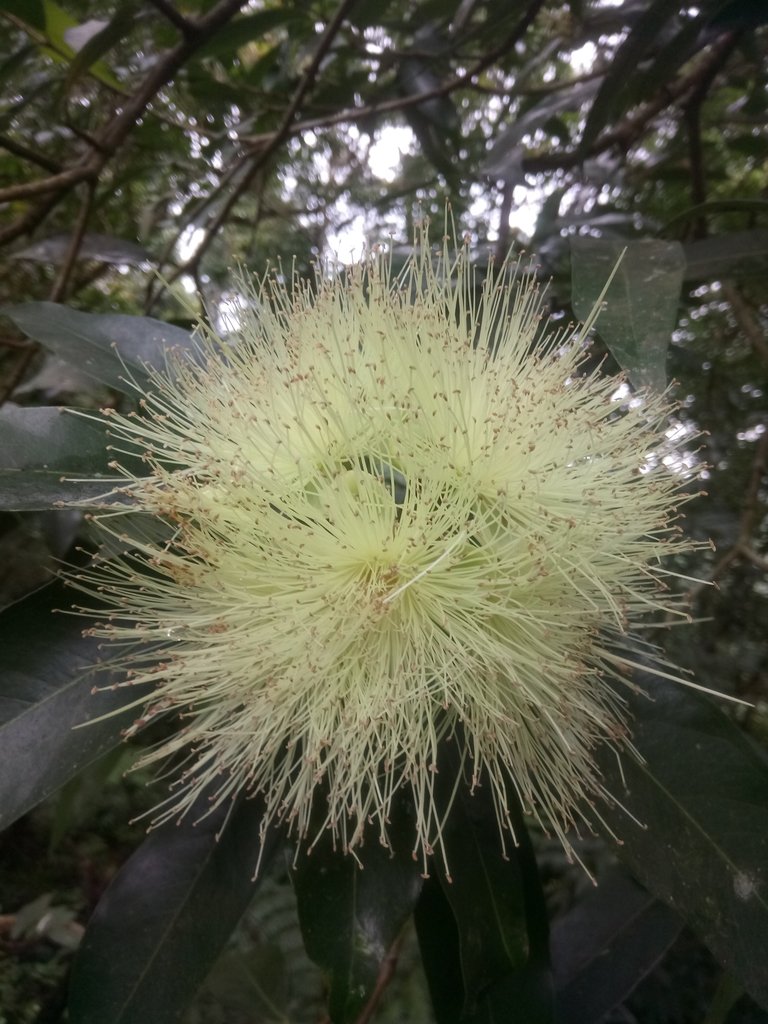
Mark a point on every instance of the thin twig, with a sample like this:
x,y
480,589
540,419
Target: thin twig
x,y
276,138
107,143
175,17
58,291
750,512
747,321
62,180
386,973
32,157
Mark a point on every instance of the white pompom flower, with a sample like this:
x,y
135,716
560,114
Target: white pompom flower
x,y
397,517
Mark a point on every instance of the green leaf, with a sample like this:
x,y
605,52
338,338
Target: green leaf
x,y
93,246
641,304
41,446
166,916
702,797
606,944
45,696
29,12
113,348
497,905
58,23
731,254
351,916
622,69
244,30
88,56
440,952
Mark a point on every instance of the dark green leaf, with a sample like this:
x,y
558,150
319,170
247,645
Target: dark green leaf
x,y
165,918
500,916
245,30
440,952
45,694
605,945
733,254
93,246
114,349
702,796
44,437
505,158
112,32
641,304
622,70
350,916
497,905
41,444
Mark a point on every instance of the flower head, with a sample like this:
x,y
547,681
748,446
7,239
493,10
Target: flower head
x,y
395,518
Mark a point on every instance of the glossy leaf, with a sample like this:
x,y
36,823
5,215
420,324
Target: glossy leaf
x,y
440,952
93,246
605,945
731,254
165,918
621,71
111,348
500,920
45,697
641,304
44,451
244,30
351,916
100,41
702,796
505,159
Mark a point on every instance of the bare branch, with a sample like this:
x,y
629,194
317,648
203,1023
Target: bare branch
x,y
18,149
747,321
59,288
56,182
275,138
175,17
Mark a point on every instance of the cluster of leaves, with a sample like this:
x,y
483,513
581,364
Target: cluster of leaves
x,y
180,136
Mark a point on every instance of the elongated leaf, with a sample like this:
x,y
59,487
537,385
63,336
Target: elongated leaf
x,y
106,34
93,246
702,795
641,304
350,916
440,952
58,23
166,916
45,694
497,905
111,348
40,445
622,69
605,945
505,158
245,29
731,254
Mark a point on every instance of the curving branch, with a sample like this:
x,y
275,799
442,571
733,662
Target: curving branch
x,y
108,141
276,138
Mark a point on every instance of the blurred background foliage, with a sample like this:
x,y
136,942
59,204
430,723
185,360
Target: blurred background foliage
x,y
148,146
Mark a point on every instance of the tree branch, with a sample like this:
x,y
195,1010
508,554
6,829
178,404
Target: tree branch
x,y
175,17
70,258
18,149
107,143
275,139
56,182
